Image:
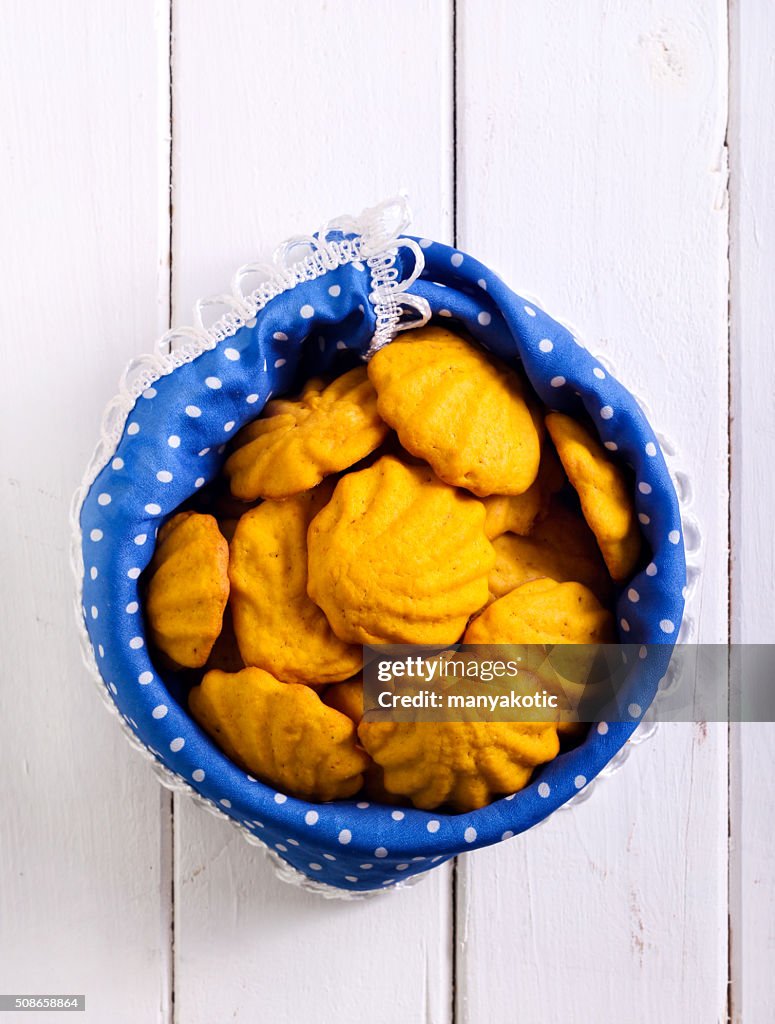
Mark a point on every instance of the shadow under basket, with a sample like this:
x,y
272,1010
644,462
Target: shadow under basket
x,y
163,439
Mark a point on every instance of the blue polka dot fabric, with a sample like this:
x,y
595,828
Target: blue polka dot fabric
x,y
173,444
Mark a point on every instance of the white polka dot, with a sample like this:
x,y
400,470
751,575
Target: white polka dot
x,y
529,310
397,815
365,867
456,259
351,878
606,412
136,643
644,488
315,866
633,595
345,836
173,441
359,266
280,798
543,789
225,802
307,311
144,678
674,536
93,572
113,688
444,312
362,805
214,383
426,243
292,842
634,710
251,399
133,573
101,650
104,499
193,411
198,775
470,834
164,476
380,852
199,482
341,346
598,373
642,653
149,393
96,535
651,569
117,463
335,291
434,825
401,867
228,427
484,318
644,519
204,451
280,336
580,781
132,429
94,611
612,446
557,382
311,817
160,711
482,283
153,509
651,449
602,728
177,744
625,625
278,363
545,345
507,835
667,626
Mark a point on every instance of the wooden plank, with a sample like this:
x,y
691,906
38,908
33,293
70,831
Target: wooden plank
x,y
752,307
591,173
83,171
286,114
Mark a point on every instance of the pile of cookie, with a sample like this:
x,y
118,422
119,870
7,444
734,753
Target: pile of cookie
x,y
426,498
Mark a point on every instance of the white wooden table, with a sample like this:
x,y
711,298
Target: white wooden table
x,y
581,147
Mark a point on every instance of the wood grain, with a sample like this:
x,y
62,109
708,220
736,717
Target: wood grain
x,y
83,168
596,133
752,309
321,110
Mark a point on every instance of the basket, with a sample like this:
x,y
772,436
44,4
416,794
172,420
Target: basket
x,y
326,302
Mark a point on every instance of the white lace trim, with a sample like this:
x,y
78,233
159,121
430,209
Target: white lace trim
x,y
378,242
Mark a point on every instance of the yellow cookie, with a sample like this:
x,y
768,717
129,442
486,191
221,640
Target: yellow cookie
x,y
561,547
459,410
295,444
462,765
280,732
346,697
605,498
188,588
397,556
278,627
543,611
518,513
